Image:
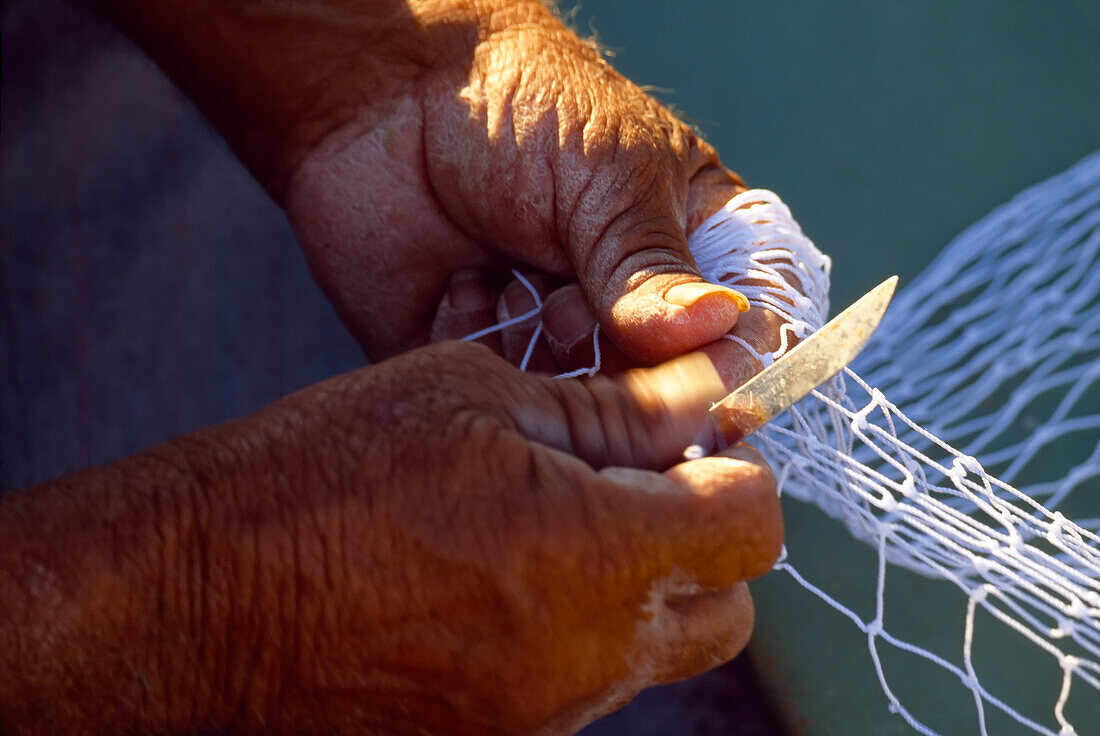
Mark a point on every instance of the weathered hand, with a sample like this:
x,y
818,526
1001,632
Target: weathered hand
x,y
411,140
512,143
436,544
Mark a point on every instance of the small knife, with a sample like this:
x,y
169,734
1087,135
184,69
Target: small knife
x,y
809,364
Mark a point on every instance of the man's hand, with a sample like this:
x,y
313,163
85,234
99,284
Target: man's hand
x,y
519,146
413,139
436,544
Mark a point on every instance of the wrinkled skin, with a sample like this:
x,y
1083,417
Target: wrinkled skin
x,y
515,146
412,141
310,569
439,543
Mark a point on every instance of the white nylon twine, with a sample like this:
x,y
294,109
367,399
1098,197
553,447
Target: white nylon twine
x,y
995,348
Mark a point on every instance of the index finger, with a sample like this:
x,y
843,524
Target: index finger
x,y
717,519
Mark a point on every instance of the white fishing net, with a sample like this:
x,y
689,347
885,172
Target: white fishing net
x,y
994,349
963,444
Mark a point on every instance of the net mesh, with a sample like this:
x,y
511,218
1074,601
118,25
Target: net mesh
x,y
995,348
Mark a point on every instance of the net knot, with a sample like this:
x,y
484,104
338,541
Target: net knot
x,y
782,556
1068,662
908,487
887,502
1065,628
964,465
982,565
859,419
1057,525
1076,608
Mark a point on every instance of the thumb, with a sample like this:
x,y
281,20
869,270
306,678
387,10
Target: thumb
x,y
643,419
644,285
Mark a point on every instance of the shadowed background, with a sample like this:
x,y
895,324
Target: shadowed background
x,y
148,287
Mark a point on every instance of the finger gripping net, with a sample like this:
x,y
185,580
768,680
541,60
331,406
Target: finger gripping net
x,y
995,348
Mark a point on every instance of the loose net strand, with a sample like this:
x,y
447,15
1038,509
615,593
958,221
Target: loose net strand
x,y
994,348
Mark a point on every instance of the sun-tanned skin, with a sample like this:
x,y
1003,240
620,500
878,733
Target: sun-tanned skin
x,y
412,140
336,563
438,543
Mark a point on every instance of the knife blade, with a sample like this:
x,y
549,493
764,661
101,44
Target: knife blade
x,y
805,367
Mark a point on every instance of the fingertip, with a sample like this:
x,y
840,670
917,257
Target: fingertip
x,y
678,393
727,477
746,453
734,363
522,342
468,306
569,322
671,314
715,627
739,532
644,417
700,294
469,290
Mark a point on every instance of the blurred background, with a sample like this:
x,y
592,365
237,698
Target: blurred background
x,y
148,287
